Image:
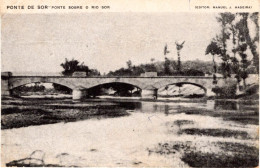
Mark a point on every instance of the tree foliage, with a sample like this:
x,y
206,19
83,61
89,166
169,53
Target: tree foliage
x,y
167,66
225,20
190,68
232,43
71,66
245,36
213,49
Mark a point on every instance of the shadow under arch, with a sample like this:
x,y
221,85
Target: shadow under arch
x,y
119,87
56,86
187,83
21,82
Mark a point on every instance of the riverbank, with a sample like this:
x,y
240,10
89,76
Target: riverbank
x,y
18,113
126,133
25,112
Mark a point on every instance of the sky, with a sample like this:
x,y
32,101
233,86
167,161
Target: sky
x,y
105,41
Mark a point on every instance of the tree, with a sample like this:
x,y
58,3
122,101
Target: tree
x,y
193,72
244,40
167,66
244,31
244,62
255,42
179,47
213,49
129,64
137,71
225,20
93,72
235,41
167,61
71,66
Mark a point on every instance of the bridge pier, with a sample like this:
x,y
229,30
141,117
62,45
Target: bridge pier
x,y
78,94
149,92
5,86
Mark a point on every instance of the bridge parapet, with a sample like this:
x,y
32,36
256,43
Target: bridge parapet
x,y
6,75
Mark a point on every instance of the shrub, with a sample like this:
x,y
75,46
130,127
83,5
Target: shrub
x,y
226,91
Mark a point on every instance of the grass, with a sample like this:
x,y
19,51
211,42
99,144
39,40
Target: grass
x,y
231,154
237,148
239,116
22,117
225,133
172,147
183,122
19,112
200,159
241,156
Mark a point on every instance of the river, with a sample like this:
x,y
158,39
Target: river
x,y
136,139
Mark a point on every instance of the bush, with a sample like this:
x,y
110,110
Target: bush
x,y
193,72
226,91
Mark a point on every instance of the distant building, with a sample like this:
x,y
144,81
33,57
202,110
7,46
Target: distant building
x,y
149,74
79,74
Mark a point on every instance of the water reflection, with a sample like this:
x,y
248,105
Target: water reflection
x,y
172,107
226,105
235,105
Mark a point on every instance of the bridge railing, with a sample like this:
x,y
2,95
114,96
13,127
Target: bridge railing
x,y
200,77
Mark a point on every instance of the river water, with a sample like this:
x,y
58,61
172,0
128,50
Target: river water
x,y
125,140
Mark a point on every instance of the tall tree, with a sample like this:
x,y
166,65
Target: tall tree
x,y
129,64
254,18
235,40
254,41
244,42
244,61
213,49
225,19
179,47
167,66
167,61
242,46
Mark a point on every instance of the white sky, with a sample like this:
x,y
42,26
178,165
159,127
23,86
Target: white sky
x,y
40,43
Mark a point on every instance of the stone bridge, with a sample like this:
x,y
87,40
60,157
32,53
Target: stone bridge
x,y
148,85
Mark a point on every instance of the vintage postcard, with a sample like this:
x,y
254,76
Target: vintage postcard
x,y
140,83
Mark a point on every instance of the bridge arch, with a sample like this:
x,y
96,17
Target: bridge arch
x,y
186,89
108,83
15,91
103,81
21,82
188,83
117,86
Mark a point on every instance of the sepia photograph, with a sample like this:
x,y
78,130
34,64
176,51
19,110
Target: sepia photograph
x,y
130,89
